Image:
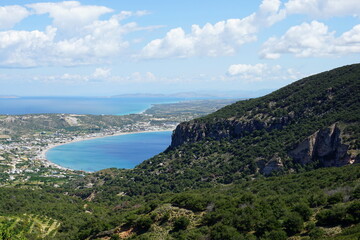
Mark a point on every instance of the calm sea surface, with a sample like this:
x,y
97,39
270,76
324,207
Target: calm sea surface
x,y
123,151
78,105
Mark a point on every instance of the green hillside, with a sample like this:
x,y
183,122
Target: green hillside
x,y
252,170
262,136
320,204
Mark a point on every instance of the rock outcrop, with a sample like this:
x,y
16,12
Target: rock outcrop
x,y
324,146
275,164
231,128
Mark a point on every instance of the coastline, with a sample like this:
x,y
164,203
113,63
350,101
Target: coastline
x,y
41,156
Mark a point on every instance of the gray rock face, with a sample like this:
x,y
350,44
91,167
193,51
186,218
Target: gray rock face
x,y
324,146
197,131
274,164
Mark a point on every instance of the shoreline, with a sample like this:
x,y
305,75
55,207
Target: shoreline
x,y
42,155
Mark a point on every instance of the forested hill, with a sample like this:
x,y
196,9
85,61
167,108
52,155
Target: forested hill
x,y
311,123
210,183
320,112
324,98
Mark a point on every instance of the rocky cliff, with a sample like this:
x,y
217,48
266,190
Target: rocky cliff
x,y
194,131
326,147
302,123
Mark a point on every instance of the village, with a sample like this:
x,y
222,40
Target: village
x,y
23,161
24,139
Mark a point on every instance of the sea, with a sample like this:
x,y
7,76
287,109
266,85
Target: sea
x,y
79,105
122,151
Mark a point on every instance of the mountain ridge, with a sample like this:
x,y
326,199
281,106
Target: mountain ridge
x,y
329,98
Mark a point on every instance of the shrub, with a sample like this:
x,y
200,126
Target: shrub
x,y
356,193
181,223
194,202
276,235
221,232
335,198
354,212
293,224
331,217
303,210
143,223
316,233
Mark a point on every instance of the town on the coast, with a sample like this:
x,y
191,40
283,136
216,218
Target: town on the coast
x,y
24,139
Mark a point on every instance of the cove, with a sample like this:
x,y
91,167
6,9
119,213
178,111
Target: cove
x,y
122,151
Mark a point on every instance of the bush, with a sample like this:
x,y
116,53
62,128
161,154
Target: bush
x,y
335,198
221,232
303,210
318,200
165,218
293,224
143,223
331,217
356,193
115,237
354,212
276,235
181,223
316,233
194,202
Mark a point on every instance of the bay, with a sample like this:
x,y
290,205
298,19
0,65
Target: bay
x,y
122,151
80,105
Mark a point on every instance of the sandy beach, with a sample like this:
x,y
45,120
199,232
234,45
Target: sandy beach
x,y
42,155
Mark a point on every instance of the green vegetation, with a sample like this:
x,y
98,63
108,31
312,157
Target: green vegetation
x,y
265,208
276,123
220,182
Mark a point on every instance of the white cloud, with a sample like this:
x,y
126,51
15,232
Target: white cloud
x,y
324,8
238,69
126,14
10,15
312,40
25,47
221,38
137,77
261,72
76,37
101,73
70,16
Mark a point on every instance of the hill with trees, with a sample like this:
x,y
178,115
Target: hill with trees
x,y
252,170
309,124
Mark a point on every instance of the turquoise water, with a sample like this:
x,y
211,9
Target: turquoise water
x,y
79,105
123,151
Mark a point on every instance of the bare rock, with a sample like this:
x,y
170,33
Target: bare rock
x,y
324,146
275,164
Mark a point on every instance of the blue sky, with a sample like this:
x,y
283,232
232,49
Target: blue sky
x,y
103,47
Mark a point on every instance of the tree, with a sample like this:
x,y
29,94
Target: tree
x,y
303,210
221,232
293,224
181,223
276,235
143,223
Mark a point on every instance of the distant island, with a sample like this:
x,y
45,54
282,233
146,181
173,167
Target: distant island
x,y
9,96
198,95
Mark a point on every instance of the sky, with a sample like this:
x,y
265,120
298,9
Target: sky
x,y
108,47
